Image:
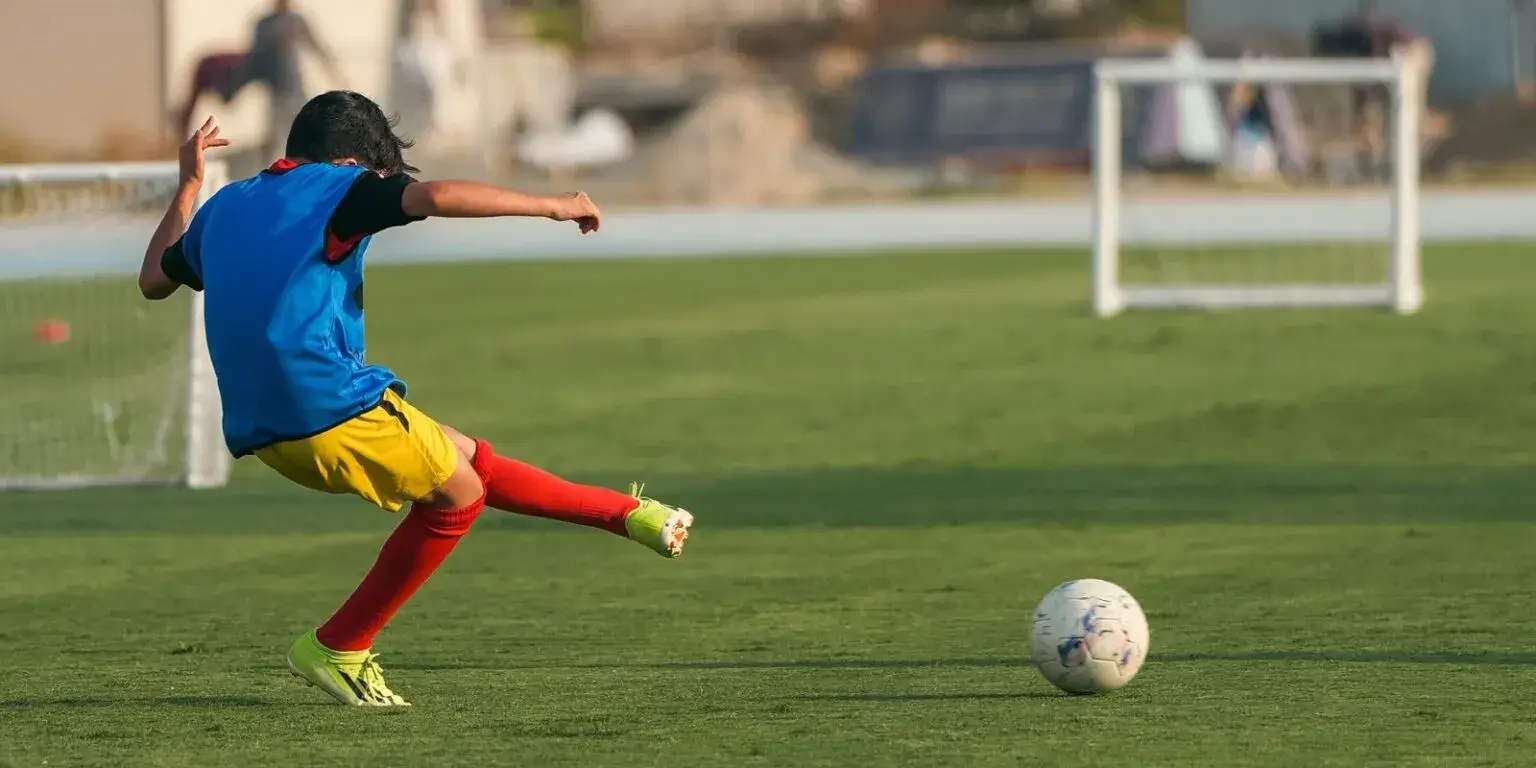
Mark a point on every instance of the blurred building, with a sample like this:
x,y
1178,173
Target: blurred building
x,y
611,19
89,77
74,71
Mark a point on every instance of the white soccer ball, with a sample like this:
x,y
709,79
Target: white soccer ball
x,y
1089,636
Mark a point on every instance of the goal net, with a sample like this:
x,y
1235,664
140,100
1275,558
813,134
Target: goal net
x,y
101,387
1314,199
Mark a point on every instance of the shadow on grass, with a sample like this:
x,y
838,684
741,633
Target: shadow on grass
x,y
872,497
1077,496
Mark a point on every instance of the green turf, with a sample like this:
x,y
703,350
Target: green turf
x,y
1326,515
1325,264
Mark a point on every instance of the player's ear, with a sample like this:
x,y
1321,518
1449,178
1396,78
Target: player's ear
x,y
346,161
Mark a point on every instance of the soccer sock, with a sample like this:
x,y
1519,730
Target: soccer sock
x,y
512,486
417,547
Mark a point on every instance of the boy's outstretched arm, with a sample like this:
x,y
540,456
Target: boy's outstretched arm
x,y
469,200
154,283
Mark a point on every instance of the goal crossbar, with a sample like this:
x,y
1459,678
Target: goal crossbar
x,y
86,172
1401,289
1309,71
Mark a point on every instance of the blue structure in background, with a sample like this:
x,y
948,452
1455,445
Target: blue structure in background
x,y
919,115
1029,110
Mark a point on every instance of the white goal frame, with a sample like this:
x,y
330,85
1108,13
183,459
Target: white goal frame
x,y
206,462
1401,289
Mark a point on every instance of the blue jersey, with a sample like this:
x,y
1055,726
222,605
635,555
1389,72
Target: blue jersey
x,y
279,258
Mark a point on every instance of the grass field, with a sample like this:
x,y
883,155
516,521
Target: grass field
x,y
1326,515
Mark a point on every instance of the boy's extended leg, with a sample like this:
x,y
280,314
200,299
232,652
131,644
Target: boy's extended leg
x,y
514,486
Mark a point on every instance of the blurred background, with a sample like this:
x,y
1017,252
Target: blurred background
x,y
758,102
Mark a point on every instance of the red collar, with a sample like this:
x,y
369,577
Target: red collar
x,y
283,165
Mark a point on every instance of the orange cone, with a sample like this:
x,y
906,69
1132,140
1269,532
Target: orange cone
x,y
51,331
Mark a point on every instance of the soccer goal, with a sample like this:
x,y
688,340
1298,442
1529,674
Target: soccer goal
x,y
100,387
1328,218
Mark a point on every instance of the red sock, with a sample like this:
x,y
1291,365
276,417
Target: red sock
x,y
512,486
410,555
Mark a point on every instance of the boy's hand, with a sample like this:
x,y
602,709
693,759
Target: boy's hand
x,y
206,137
579,208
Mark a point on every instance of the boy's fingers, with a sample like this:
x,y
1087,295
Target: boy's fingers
x,y
208,125
218,143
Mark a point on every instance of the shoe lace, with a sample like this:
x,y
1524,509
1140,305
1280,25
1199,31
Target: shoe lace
x,y
371,675
637,490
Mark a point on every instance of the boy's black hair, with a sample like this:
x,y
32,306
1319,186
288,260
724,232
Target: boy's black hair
x,y
342,124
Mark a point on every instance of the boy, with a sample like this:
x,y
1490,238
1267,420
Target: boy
x,y
279,258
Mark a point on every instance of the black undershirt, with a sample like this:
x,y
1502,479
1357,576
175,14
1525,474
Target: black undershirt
x,y
373,204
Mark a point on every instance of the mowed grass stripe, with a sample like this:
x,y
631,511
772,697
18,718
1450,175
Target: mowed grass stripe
x,y
1327,515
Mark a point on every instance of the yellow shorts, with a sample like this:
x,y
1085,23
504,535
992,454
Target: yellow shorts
x,y
391,456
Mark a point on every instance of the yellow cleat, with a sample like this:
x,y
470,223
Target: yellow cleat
x,y
661,527
353,678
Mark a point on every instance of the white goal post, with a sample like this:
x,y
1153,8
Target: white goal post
x,y
1397,287
108,390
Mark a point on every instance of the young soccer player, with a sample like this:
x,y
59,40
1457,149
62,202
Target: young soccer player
x,y
279,259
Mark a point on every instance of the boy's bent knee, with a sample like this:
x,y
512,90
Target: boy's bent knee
x,y
479,453
461,490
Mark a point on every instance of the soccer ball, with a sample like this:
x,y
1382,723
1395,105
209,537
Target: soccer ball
x,y
1089,636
